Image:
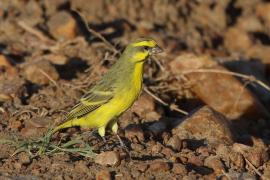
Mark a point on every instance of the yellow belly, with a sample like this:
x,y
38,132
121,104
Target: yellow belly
x,y
123,99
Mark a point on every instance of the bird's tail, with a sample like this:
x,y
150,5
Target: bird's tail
x,y
68,124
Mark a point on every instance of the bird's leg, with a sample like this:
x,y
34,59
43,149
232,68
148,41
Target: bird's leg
x,y
114,127
101,132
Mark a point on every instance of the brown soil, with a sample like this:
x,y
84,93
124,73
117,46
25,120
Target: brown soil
x,y
49,58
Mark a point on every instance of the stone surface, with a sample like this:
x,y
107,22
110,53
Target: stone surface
x,y
41,73
62,26
175,143
223,92
206,123
110,158
215,163
103,175
159,166
179,169
134,133
6,67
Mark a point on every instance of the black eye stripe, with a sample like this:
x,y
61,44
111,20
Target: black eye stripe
x,y
147,48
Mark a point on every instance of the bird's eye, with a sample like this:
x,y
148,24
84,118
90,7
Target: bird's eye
x,y
146,48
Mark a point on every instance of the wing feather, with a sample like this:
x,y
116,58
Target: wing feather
x,y
92,100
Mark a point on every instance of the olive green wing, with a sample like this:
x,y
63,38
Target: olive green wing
x,y
92,100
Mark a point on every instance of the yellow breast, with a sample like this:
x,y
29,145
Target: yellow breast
x,y
130,93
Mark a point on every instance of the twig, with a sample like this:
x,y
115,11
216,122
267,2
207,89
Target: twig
x,y
49,77
33,31
159,64
253,167
97,34
247,77
171,106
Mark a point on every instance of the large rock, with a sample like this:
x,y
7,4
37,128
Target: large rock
x,y
41,72
206,123
223,92
63,26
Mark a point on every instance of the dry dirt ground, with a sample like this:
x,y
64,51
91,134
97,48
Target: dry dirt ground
x,y
202,115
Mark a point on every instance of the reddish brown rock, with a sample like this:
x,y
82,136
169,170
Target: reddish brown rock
x,y
103,175
15,125
206,123
6,67
237,40
10,90
24,158
142,167
145,108
215,163
195,160
159,166
62,25
56,59
221,91
179,169
110,158
134,133
175,143
263,12
41,72
257,154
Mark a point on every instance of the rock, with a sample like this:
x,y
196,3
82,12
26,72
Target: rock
x,y
237,40
156,148
134,133
137,147
239,175
237,160
188,62
168,152
145,108
62,26
24,158
31,132
57,59
41,73
142,167
81,166
215,163
249,24
263,12
175,143
205,123
6,67
228,95
103,175
38,122
195,160
179,169
110,158
257,155
15,125
203,150
259,51
11,90
159,166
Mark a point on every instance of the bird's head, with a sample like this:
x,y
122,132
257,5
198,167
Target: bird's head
x,y
141,49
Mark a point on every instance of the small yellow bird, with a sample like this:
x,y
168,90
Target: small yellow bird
x,y
115,92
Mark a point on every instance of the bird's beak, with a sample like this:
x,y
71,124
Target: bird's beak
x,y
156,50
